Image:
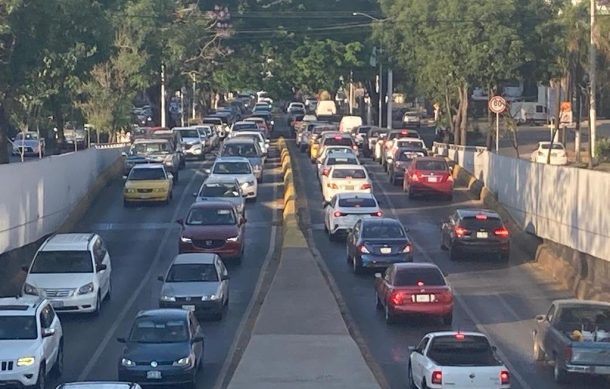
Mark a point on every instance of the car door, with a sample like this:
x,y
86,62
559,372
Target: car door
x,y
418,360
107,274
353,238
222,273
103,275
544,330
195,330
50,344
329,210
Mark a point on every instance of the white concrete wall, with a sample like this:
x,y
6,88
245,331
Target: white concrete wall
x,y
37,196
563,204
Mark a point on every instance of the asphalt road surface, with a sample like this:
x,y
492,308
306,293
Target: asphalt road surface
x,y
142,241
498,299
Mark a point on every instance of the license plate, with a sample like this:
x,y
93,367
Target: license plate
x,y
482,235
349,187
57,303
153,375
188,307
386,250
432,179
422,298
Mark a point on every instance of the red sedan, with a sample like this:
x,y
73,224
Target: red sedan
x,y
414,288
428,175
213,227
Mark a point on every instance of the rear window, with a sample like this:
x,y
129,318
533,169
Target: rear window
x,y
239,150
244,126
338,142
472,223
341,161
469,350
357,203
546,146
349,173
409,155
412,277
410,143
431,165
363,130
383,230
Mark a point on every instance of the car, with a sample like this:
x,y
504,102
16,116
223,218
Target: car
x,y
335,158
295,115
412,119
257,136
31,342
558,154
247,148
391,140
164,347
99,385
359,134
237,167
376,243
343,211
160,151
369,147
460,360
402,158
262,107
28,143
197,282
325,108
414,289
174,139
428,176
346,178
314,132
220,128
193,142
475,232
337,139
212,138
380,146
260,122
267,117
213,227
414,143
335,150
148,183
222,189
73,271
244,126
309,101
348,123
296,105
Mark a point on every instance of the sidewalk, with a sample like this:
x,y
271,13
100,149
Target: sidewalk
x,y
300,339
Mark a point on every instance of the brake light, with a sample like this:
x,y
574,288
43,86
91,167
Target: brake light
x,y
355,147
399,298
501,232
378,214
403,132
366,186
504,377
420,283
332,186
415,177
407,249
444,297
481,216
460,232
338,137
437,377
567,354
338,214
362,248
459,336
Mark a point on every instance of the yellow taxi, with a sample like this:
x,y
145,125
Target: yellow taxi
x,y
148,183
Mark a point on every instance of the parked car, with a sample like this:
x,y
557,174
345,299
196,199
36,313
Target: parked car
x,y
428,176
402,158
575,336
376,243
345,178
222,189
475,232
198,283
558,154
463,360
148,183
164,347
28,143
239,168
414,289
72,271
345,209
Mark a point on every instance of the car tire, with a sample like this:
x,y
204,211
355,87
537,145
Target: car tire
x,y
378,303
447,319
410,193
176,177
356,267
109,293
560,375
539,355
98,305
390,318
332,236
453,254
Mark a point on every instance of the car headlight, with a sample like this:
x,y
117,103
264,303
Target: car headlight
x,y
209,297
168,298
186,240
25,361
29,289
127,362
87,288
233,239
187,361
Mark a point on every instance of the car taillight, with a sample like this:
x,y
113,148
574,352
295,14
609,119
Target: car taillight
x,y
338,214
460,232
415,177
378,214
355,147
504,377
399,298
567,354
407,249
501,232
332,186
437,377
362,248
366,186
444,297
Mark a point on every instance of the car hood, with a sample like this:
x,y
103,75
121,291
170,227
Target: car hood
x,y
159,352
241,178
17,348
146,184
190,289
209,232
59,280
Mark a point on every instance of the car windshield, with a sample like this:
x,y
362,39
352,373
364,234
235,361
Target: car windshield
x,y
245,126
189,133
357,202
219,190
18,327
383,230
232,168
465,350
349,173
150,148
192,272
62,262
146,174
158,330
546,146
474,223
210,217
239,150
334,160
419,277
27,136
431,165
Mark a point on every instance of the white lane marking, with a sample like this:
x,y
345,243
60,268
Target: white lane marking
x,y
458,297
101,347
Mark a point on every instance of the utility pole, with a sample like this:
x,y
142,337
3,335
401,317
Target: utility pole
x,y
380,90
390,92
162,95
194,93
351,92
592,87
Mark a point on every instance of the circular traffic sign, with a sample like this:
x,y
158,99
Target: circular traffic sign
x,y
497,104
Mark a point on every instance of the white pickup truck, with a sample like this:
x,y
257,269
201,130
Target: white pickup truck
x,y
456,360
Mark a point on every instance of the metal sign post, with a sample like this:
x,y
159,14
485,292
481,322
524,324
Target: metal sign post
x,y
497,105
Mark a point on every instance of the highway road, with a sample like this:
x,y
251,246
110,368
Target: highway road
x,y
142,241
499,300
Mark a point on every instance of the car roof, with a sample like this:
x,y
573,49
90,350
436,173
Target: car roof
x,y
231,159
193,258
453,333
148,166
415,265
239,139
473,212
19,306
167,313
349,167
212,204
575,302
70,241
150,140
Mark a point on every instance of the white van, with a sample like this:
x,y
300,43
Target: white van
x,y
326,108
348,123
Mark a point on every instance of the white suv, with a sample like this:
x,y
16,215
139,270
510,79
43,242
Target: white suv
x,y
72,271
31,342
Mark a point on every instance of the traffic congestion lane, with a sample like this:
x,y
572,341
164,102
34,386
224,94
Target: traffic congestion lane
x,y
500,300
142,241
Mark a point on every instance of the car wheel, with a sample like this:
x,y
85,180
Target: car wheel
x,y
356,267
447,319
378,303
98,305
538,353
504,258
453,254
410,377
389,316
560,375
109,293
58,369
41,383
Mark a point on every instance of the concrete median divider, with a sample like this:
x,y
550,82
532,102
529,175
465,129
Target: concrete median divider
x,y
300,339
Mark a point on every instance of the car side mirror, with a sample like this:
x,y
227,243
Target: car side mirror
x,y
224,277
46,332
121,340
207,171
197,339
180,221
377,275
413,349
101,267
124,154
540,318
124,177
160,278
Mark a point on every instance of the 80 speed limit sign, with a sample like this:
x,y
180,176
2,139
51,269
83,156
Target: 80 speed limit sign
x,y
497,104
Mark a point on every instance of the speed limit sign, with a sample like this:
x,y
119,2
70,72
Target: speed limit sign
x,y
497,104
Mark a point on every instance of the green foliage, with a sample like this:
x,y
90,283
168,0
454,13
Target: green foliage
x,y
602,149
